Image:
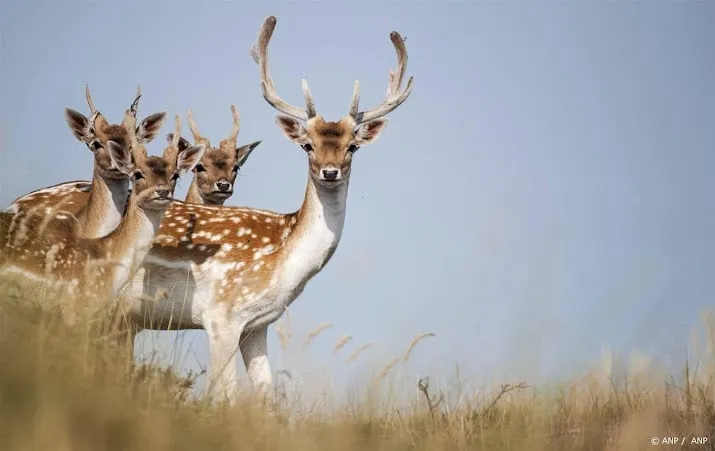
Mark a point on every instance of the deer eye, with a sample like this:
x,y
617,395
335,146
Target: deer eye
x,y
353,148
307,147
138,175
200,168
96,145
236,168
175,177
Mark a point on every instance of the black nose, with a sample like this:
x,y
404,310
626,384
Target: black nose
x,y
330,174
163,193
223,186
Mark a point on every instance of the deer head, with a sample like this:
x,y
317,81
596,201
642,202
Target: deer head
x,y
154,178
215,175
96,132
330,146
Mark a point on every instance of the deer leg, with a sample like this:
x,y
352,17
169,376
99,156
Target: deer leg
x,y
224,335
254,349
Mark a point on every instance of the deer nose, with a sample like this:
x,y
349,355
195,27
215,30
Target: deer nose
x,y
330,174
163,193
223,186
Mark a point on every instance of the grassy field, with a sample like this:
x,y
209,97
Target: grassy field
x,y
73,389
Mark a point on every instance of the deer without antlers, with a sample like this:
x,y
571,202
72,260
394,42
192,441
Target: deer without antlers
x,y
96,268
215,175
98,205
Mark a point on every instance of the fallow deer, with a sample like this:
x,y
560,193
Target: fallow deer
x,y
96,268
98,205
233,271
215,175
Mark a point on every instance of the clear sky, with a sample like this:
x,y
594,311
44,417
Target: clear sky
x,y
545,192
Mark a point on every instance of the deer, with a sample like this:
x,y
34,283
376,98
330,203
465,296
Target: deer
x,y
98,205
215,175
233,271
95,269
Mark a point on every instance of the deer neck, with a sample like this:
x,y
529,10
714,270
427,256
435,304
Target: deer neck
x,y
128,245
316,234
194,195
105,207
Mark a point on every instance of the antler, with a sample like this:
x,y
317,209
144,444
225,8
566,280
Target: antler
x,y
130,124
192,126
259,52
236,124
198,139
92,109
394,97
172,151
135,104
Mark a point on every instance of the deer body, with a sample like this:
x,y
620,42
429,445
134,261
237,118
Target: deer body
x,y
93,267
235,274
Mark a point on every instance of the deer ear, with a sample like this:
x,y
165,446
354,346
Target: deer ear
x,y
292,129
121,157
79,125
368,132
183,142
243,152
149,127
188,158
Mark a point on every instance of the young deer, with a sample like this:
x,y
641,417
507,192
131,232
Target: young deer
x,y
96,268
98,205
233,271
215,175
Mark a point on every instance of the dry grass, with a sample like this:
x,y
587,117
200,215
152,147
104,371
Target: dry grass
x,y
74,389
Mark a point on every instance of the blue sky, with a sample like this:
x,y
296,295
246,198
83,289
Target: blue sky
x,y
544,193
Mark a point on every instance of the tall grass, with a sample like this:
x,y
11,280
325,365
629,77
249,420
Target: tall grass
x,y
75,389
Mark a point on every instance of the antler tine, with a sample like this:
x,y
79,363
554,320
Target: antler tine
x,y
309,103
259,52
236,123
355,102
397,76
135,104
92,108
192,126
394,97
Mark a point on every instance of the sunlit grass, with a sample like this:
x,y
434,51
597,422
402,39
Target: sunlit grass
x,y
75,389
